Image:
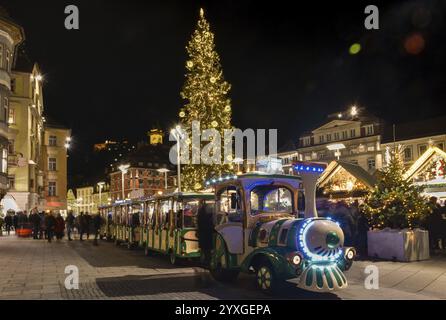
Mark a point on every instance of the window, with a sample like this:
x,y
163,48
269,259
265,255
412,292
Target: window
x,y
408,154
190,212
5,110
306,141
8,57
165,207
344,135
13,85
52,164
52,188
422,149
286,161
229,204
52,141
354,161
329,137
371,163
352,133
267,198
11,147
11,117
11,180
1,56
369,130
4,168
321,139
336,136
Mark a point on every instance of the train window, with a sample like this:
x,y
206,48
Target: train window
x,y
265,199
190,212
165,207
229,205
150,208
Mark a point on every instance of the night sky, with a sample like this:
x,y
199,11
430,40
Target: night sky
x,y
289,66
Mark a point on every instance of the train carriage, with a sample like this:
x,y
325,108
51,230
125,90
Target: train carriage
x,y
170,224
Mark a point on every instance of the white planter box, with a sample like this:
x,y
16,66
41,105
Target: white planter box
x,y
400,245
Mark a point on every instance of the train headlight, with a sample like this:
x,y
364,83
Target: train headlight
x,y
350,254
295,258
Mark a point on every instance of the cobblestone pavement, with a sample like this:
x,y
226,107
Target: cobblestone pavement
x,y
35,269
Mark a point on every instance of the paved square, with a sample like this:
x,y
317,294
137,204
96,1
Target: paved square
x,y
35,269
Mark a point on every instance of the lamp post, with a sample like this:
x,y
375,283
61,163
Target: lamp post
x,y
165,171
100,185
176,132
124,168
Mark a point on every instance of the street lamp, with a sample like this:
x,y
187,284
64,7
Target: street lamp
x,y
100,185
165,171
124,168
176,132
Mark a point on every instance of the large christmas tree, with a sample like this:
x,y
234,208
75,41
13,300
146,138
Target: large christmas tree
x,y
395,202
207,101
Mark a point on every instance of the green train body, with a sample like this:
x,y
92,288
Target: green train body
x,y
164,224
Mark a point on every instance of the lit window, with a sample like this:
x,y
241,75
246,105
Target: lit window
x,y
369,130
4,168
11,117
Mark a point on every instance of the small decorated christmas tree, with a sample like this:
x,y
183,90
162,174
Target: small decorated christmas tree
x,y
207,101
395,202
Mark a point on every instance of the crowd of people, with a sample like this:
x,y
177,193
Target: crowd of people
x,y
48,225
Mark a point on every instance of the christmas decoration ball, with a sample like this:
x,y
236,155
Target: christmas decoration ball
x,y
213,80
182,114
190,64
214,123
197,186
228,108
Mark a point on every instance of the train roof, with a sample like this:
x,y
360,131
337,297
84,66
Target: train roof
x,y
179,195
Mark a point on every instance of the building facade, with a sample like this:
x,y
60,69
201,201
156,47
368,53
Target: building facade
x,y
352,135
54,163
11,35
146,173
25,134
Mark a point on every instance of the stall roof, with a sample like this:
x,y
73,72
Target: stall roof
x,y
423,160
358,172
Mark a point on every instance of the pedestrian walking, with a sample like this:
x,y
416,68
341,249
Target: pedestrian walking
x,y
82,226
59,227
50,223
8,223
88,225
15,221
42,228
35,221
70,224
96,222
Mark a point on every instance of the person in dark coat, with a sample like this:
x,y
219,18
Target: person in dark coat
x,y
35,220
8,223
205,229
83,226
88,225
434,224
42,234
361,236
59,227
50,223
70,224
96,222
15,221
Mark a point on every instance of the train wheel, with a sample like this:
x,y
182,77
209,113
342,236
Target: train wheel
x,y
266,279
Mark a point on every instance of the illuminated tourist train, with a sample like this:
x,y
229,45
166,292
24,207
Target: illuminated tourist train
x,y
256,230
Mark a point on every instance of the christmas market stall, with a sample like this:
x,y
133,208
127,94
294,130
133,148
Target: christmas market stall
x,y
429,171
343,180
